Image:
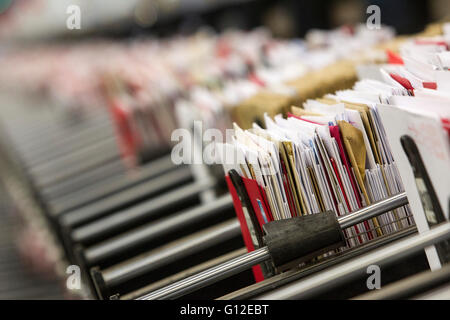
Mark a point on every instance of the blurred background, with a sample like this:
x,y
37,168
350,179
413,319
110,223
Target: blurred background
x,y
32,265
45,19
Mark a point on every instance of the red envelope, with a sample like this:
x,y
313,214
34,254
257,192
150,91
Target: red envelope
x,y
257,272
126,139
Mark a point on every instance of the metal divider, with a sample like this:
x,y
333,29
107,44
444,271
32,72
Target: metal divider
x,y
102,212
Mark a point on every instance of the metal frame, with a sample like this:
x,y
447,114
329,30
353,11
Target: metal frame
x,y
250,259
155,230
288,276
411,286
138,213
181,275
83,184
148,188
313,285
171,252
109,186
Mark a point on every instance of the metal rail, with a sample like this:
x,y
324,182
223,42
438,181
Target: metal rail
x,y
156,229
250,259
111,186
316,284
411,286
97,209
171,252
138,213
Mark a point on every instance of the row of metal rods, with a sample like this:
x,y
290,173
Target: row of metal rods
x,y
310,286
117,224
250,259
139,234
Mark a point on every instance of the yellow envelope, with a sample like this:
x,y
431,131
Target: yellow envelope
x,y
356,150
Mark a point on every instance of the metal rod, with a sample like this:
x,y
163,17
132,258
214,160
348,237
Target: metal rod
x,y
55,129
335,276
183,274
171,252
230,268
373,210
143,211
65,171
62,137
79,182
156,229
111,186
411,286
26,127
145,189
77,158
214,274
441,293
62,145
284,278
58,154
139,212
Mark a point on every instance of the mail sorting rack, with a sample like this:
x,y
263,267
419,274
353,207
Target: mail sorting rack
x,y
314,285
117,275
236,265
133,253
384,206
34,149
173,242
344,272
102,219
121,274
87,236
155,168
35,164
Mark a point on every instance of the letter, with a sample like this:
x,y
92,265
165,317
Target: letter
x,y
251,309
257,309
373,21
204,310
192,310
227,309
74,280
210,311
229,133
183,310
374,281
198,143
182,151
211,137
74,20
265,308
